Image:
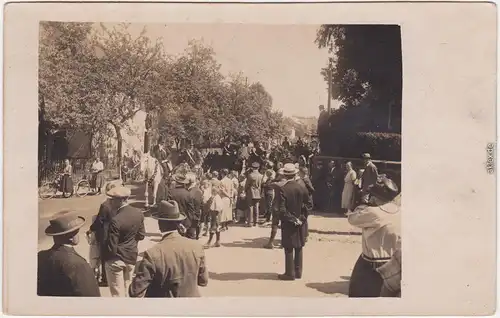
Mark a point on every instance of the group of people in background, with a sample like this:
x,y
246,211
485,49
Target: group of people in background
x,y
340,187
195,206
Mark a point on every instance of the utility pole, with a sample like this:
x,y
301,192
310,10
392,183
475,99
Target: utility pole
x,y
329,107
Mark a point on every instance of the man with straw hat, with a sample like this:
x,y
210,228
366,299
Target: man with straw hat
x,y
174,267
126,229
293,205
61,270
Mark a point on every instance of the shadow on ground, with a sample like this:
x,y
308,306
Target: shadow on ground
x,y
333,232
250,243
335,214
341,287
242,276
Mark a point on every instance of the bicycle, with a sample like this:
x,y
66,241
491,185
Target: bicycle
x,y
49,189
82,187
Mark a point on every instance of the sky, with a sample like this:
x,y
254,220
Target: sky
x,y
284,58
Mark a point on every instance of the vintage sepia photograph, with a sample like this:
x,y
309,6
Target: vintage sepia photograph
x,y
202,160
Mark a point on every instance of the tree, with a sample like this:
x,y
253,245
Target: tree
x,y
197,93
65,78
127,74
367,65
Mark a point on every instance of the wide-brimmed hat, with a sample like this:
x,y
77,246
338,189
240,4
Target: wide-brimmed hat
x,y
255,164
366,156
384,189
64,222
168,211
289,169
119,192
180,178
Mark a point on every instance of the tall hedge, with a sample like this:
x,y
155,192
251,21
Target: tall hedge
x,y
381,146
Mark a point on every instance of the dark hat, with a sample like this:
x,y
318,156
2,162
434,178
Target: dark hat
x,y
366,156
168,211
64,222
180,178
255,164
384,189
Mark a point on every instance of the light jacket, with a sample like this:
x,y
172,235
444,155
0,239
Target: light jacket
x,y
381,230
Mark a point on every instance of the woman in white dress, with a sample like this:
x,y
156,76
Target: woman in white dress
x,y
226,194
348,192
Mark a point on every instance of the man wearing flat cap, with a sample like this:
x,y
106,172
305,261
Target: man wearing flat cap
x,y
61,270
126,229
174,267
185,200
380,224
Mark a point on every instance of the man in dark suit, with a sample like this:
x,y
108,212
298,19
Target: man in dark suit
x,y
197,197
185,200
294,205
126,229
100,227
253,189
175,267
61,270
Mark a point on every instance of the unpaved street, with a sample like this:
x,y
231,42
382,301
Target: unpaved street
x,y
241,267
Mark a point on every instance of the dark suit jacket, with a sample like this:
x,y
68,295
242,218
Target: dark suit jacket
x,y
294,204
185,200
63,272
101,224
175,267
197,196
306,182
125,231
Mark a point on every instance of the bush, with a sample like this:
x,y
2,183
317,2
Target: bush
x,y
381,146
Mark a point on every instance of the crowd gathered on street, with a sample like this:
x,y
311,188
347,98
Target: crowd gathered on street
x,y
201,196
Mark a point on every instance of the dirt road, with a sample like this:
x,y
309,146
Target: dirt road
x,y
241,267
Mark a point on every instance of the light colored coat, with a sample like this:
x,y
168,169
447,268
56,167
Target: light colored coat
x,y
381,230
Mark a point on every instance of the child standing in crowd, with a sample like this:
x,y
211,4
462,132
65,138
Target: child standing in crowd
x,y
216,207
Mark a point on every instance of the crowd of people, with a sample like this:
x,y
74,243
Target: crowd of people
x,y
204,205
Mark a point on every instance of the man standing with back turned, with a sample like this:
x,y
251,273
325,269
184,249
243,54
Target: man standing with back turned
x,y
294,205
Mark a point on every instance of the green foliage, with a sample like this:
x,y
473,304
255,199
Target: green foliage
x,y
96,77
211,107
65,61
382,146
367,60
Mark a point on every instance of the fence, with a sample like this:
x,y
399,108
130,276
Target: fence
x,y
390,168
47,171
